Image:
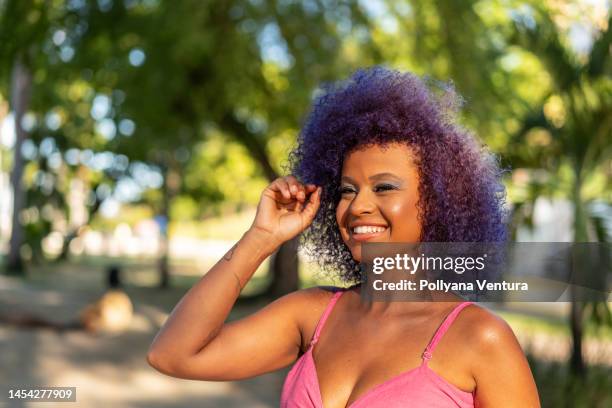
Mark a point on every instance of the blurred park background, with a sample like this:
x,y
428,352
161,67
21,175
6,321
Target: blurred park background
x,y
137,135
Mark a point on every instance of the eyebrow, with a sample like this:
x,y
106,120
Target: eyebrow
x,y
374,177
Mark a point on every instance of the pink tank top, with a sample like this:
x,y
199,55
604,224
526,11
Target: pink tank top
x,y
418,387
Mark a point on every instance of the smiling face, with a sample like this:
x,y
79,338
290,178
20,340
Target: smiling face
x,y
379,196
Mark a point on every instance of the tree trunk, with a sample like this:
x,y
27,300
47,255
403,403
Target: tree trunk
x,y
577,361
78,225
284,263
21,87
169,190
284,269
162,262
65,253
577,307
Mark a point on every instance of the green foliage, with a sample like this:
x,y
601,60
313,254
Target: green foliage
x,y
558,387
570,127
210,95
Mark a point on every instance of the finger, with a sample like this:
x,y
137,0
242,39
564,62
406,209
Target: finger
x,y
294,185
291,179
299,206
310,188
301,194
280,185
313,204
302,189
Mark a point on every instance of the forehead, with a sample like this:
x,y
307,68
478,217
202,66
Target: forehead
x,y
394,158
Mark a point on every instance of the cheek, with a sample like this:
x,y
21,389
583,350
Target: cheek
x,y
403,215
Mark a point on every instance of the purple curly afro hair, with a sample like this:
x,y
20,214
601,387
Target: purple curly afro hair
x,y
461,196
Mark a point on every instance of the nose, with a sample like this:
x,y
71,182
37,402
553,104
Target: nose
x,y
362,204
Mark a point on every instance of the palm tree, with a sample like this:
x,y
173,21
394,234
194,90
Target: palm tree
x,y
576,116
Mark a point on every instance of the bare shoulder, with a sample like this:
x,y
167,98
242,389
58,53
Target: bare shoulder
x,y
488,330
490,340
497,360
305,299
306,307
484,330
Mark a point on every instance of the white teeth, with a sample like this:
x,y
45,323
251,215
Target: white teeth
x,y
367,229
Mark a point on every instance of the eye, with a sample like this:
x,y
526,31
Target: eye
x,y
346,190
384,187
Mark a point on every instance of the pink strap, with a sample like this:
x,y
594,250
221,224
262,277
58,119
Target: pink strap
x,y
427,354
328,310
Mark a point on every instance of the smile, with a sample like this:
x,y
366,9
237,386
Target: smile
x,y
365,232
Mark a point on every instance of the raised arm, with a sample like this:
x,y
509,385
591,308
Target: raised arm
x,y
195,343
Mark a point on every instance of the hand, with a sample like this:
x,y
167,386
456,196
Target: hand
x,y
286,208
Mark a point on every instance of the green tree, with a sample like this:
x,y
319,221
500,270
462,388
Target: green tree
x,y
22,25
38,38
569,129
191,68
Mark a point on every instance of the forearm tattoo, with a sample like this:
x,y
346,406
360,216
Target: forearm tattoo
x,y
227,257
230,253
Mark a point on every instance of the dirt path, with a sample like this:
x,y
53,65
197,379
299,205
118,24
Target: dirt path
x,y
108,370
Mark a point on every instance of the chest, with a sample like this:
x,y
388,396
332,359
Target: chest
x,y
353,358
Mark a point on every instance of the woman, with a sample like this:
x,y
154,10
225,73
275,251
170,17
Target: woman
x,y
379,160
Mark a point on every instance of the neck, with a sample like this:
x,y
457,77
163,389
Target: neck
x,y
404,298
